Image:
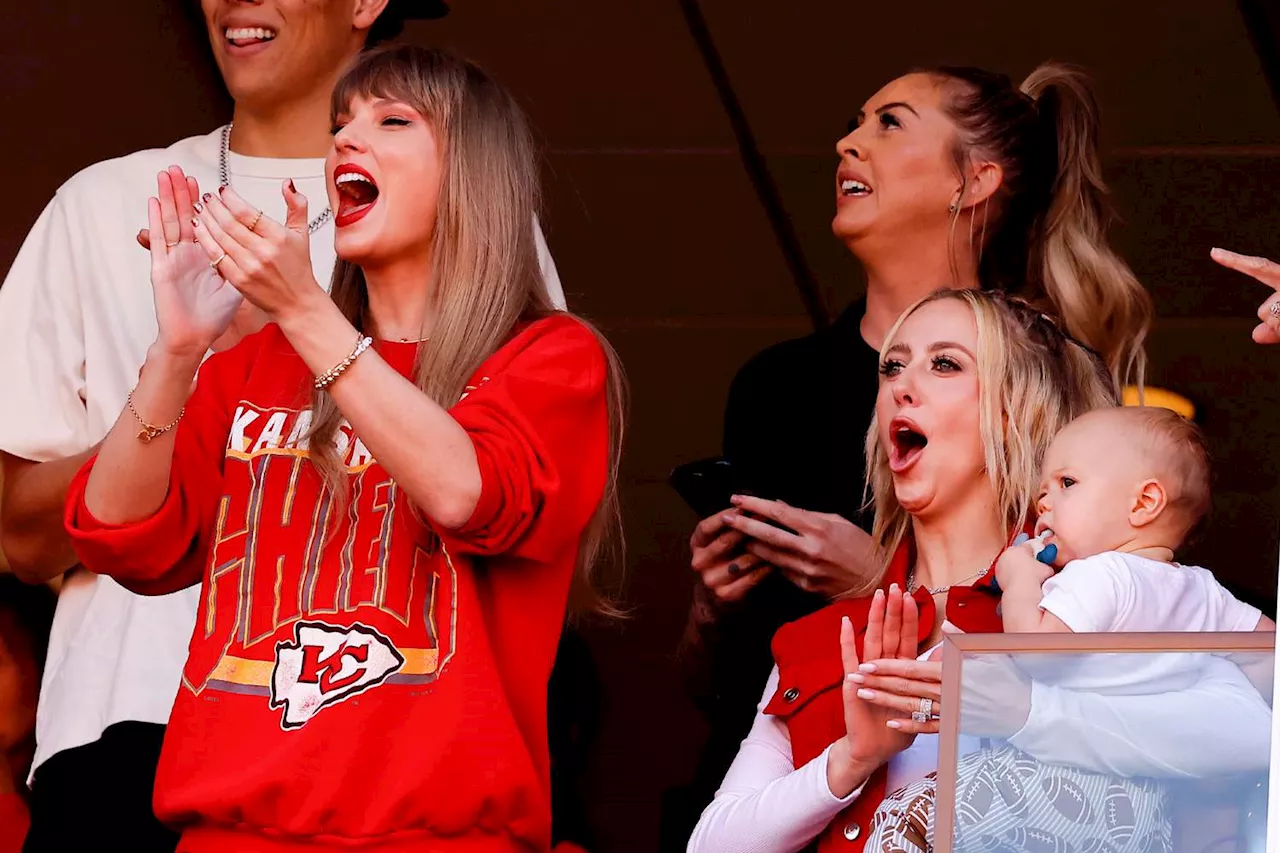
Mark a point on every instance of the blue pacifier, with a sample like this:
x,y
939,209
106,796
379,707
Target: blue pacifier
x,y
1044,553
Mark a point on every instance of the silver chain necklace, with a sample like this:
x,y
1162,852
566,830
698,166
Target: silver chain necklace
x,y
224,178
912,586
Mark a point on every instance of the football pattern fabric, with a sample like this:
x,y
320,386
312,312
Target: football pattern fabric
x,y
1007,802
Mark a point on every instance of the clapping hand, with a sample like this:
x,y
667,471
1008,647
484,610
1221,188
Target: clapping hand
x,y
875,730
194,305
1267,272
268,262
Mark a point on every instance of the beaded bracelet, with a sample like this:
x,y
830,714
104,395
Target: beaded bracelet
x,y
331,375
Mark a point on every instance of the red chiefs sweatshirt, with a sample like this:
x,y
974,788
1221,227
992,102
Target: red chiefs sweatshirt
x,y
387,690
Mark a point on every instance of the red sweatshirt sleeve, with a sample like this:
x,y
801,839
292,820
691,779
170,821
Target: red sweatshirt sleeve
x,y
14,823
167,552
540,429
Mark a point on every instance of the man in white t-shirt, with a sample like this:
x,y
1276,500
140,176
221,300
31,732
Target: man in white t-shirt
x,y
76,317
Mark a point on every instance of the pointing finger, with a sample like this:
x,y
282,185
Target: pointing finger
x,y
1262,269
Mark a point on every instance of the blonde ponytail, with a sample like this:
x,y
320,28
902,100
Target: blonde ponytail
x,y
1096,295
1050,213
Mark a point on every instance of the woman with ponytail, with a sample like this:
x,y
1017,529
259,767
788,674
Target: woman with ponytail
x,y
948,178
385,495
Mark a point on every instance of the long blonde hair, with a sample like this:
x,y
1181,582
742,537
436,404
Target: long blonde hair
x,y
485,276
1033,380
1045,234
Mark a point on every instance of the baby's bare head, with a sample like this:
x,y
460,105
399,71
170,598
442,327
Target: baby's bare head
x,y
1151,443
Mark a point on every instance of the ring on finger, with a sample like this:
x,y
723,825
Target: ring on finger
x,y
924,713
171,245
254,224
1274,310
221,258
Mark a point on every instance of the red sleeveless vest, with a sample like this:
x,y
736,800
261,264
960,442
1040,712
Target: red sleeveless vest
x,y
810,673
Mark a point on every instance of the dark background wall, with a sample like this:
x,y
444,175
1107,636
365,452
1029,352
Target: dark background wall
x,y
660,237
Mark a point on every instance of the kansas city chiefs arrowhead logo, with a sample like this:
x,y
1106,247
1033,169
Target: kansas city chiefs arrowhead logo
x,y
326,664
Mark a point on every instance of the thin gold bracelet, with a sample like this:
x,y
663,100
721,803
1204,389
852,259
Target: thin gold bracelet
x,y
331,375
150,431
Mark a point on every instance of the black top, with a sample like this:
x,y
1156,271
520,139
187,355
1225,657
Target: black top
x,y
796,423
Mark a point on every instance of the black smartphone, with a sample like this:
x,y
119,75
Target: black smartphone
x,y
707,485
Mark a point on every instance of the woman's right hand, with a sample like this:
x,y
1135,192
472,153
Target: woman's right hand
x,y
869,741
194,306
727,572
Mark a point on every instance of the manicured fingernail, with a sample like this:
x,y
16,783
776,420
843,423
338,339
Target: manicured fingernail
x,y
893,587
198,206
864,693
879,594
735,499
893,724
844,621
857,678
206,197
867,667
195,222
220,189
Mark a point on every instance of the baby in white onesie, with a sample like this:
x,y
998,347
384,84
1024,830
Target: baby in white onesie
x,y
1121,489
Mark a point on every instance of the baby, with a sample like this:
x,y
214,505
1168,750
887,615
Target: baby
x,y
1121,489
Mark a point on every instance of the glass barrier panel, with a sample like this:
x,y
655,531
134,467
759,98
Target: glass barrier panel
x,y
1102,743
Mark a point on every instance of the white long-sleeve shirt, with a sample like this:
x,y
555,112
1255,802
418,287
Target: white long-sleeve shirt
x,y
768,805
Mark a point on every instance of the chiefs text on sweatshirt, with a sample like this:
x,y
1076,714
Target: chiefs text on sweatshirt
x,y
384,688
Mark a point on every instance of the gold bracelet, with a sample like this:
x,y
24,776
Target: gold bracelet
x,y
331,375
149,431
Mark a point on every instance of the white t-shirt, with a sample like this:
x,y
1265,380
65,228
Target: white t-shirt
x,y
76,318
1116,592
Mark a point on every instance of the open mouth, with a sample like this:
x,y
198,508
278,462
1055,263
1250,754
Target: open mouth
x,y
248,36
357,194
907,442
852,188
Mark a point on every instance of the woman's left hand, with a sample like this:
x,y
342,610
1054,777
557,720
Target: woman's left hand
x,y
1267,272
268,262
819,552
899,683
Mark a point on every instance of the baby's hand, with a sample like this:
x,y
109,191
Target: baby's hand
x,y
1018,565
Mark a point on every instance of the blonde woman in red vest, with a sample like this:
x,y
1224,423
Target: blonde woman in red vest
x,y
974,386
